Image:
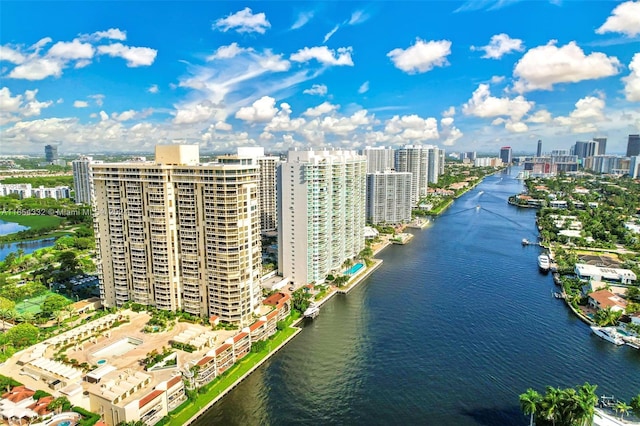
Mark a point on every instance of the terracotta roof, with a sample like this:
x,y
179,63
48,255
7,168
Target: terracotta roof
x,y
204,360
40,406
256,325
272,314
277,299
174,381
239,337
606,299
222,348
213,318
150,397
18,393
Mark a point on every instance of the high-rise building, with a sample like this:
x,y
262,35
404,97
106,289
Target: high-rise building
x,y
415,160
180,235
506,154
388,197
539,150
634,167
50,153
379,158
433,166
322,201
82,180
267,186
584,149
602,145
633,145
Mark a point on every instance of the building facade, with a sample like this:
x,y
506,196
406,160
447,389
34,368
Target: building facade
x,y
602,145
379,159
506,155
388,197
50,153
322,200
539,150
82,180
179,235
633,145
414,159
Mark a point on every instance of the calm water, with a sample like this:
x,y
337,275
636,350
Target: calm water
x,y
26,246
7,228
449,331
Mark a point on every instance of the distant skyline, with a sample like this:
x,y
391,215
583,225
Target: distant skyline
x,y
476,75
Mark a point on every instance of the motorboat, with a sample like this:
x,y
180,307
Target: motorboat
x,y
544,263
312,311
609,334
525,242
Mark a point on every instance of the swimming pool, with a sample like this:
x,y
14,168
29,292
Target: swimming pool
x,y
120,347
355,268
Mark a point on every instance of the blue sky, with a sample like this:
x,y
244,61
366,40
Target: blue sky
x,y
476,75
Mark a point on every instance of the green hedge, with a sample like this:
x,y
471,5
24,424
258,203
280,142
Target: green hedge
x,y
88,418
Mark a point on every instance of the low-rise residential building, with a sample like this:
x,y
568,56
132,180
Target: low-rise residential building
x,y
591,272
604,299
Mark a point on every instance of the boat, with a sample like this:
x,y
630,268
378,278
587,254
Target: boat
x,y
525,242
609,334
543,262
312,311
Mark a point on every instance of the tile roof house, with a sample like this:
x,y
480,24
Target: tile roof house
x,y
603,299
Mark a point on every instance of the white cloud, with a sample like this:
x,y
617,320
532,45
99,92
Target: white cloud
x,y
364,88
324,55
358,17
544,66
345,125
37,69
198,112
15,108
449,112
632,81
449,133
584,118
111,33
316,89
98,99
282,122
412,127
72,50
330,34
124,116
262,110
243,21
483,105
135,56
302,19
153,89
541,116
323,108
500,45
625,19
422,56
497,79
80,104
11,55
227,52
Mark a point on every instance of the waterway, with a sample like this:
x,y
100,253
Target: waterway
x,y
448,331
27,246
7,228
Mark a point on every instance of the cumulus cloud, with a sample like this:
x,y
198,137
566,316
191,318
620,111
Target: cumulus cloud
x,y
37,69
412,127
98,99
364,88
111,34
15,108
543,66
584,118
302,19
11,55
135,56
73,50
449,112
500,45
316,89
324,55
262,110
624,19
227,52
80,104
323,108
282,122
423,56
483,105
153,89
449,133
632,81
541,116
244,21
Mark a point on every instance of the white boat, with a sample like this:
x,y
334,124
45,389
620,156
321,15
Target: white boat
x,y
543,262
525,242
312,311
609,334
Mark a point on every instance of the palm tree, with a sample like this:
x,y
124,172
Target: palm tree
x,y
587,399
3,314
529,403
550,404
58,315
622,408
70,310
27,317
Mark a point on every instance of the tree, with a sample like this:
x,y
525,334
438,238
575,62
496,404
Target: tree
x,y
635,405
6,303
68,262
54,302
550,403
607,316
59,404
529,403
587,400
23,335
58,316
622,408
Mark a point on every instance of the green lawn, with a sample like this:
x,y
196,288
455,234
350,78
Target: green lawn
x,y
32,305
220,384
34,222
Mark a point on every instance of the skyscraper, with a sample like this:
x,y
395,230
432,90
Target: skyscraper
x,y
180,235
82,180
388,197
321,200
379,158
584,149
433,166
50,153
602,145
505,155
415,160
539,150
633,145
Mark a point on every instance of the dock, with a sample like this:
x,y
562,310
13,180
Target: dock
x,y
402,238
